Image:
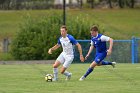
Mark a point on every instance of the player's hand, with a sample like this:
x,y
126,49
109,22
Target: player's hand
x,y
109,52
50,51
86,57
82,58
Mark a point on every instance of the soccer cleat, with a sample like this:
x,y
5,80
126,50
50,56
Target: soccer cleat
x,y
55,79
113,64
82,78
68,77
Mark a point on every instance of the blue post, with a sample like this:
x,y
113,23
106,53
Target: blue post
x,y
133,50
136,50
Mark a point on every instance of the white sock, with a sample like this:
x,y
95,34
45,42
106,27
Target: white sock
x,y
66,73
55,72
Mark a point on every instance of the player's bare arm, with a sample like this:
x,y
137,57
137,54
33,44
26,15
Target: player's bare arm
x,y
80,52
53,48
90,50
109,51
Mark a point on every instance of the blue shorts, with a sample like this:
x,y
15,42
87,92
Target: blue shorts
x,y
99,57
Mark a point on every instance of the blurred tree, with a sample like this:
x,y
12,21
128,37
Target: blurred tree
x,y
92,3
7,4
130,3
46,4
110,4
1,3
121,3
80,2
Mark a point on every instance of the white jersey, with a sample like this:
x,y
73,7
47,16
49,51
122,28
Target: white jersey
x,y
67,44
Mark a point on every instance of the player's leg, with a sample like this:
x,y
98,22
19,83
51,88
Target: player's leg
x,y
57,63
108,63
66,73
102,57
68,61
97,60
55,70
90,69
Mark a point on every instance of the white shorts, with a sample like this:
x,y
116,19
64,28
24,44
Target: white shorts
x,y
66,60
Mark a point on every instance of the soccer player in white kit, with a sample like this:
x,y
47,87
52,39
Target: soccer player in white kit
x,y
66,57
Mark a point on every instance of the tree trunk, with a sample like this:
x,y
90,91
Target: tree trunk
x,y
92,4
110,4
81,3
121,3
132,3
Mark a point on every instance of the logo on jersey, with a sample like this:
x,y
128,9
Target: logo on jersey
x,y
98,60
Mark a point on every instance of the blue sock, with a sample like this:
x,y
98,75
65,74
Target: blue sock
x,y
88,72
106,63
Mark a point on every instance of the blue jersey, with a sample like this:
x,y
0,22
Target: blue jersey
x,y
99,43
67,44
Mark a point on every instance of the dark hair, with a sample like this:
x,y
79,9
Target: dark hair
x,y
63,26
94,28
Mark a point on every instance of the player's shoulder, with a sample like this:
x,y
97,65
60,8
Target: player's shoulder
x,y
60,37
103,36
70,36
100,35
97,37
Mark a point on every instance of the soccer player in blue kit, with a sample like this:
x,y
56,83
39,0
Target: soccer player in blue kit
x,y
98,41
67,42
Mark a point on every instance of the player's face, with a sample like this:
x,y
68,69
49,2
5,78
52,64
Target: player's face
x,y
93,33
63,32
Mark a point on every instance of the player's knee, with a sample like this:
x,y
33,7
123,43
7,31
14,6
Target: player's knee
x,y
55,66
62,72
93,65
99,64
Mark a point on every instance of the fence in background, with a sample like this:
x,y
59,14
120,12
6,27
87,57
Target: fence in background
x,y
4,45
124,51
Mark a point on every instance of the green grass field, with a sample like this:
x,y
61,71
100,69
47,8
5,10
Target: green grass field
x,y
125,78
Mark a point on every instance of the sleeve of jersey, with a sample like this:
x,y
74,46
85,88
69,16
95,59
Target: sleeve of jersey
x,y
91,42
105,38
73,41
59,43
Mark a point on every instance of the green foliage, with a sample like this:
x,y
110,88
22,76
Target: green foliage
x,y
36,36
79,27
6,56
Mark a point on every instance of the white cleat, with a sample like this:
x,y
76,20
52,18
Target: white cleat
x,y
55,79
113,64
68,77
82,78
